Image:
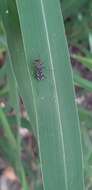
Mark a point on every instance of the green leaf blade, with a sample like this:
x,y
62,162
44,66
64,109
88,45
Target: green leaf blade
x,y
48,35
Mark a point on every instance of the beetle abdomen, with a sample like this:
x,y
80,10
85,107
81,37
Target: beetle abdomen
x,y
39,74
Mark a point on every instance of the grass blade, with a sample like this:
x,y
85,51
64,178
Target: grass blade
x,y
84,60
84,83
56,116
18,56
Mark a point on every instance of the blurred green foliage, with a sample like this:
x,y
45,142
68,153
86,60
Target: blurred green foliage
x,y
78,26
